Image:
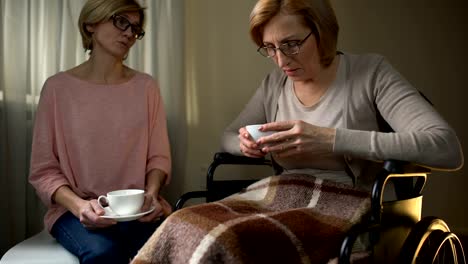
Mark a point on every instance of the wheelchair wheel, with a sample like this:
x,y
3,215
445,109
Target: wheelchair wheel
x,y
430,241
441,247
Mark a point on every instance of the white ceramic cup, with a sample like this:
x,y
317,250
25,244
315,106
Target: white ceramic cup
x,y
257,134
124,202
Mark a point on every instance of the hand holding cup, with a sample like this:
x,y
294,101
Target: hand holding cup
x,y
248,137
256,133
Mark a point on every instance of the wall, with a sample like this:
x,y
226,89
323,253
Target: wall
x,y
223,70
424,42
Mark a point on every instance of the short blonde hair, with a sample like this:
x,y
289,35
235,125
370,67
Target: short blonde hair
x,y
317,14
97,11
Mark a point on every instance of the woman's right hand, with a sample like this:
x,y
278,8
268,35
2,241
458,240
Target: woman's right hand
x,y
89,213
247,146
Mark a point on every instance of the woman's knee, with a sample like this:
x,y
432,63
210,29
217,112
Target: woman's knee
x,y
108,252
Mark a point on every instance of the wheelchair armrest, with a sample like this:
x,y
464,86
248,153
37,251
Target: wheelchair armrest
x,y
402,173
221,158
186,196
400,167
230,159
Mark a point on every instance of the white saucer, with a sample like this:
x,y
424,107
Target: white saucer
x,y
123,218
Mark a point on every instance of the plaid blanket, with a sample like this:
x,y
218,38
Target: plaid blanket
x,y
280,219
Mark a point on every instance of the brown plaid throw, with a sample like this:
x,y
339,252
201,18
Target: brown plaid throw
x,y
280,219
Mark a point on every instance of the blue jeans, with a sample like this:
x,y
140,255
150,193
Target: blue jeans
x,y
115,244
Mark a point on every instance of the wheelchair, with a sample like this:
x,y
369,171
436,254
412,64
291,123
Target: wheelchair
x,y
394,229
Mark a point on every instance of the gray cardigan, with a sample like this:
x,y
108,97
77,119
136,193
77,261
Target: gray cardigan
x,y
421,135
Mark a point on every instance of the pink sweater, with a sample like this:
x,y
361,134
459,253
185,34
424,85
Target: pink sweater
x,y
96,138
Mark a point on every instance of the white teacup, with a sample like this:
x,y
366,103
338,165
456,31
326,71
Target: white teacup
x,y
124,202
257,134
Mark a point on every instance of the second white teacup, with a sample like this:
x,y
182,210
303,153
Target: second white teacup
x,y
257,134
124,202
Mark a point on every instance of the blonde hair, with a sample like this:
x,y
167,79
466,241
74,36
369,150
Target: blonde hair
x,y
316,14
97,11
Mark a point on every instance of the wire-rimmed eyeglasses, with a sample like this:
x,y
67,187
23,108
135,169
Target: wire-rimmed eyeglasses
x,y
122,23
288,48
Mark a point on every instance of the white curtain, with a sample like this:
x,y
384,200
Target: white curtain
x,y
39,38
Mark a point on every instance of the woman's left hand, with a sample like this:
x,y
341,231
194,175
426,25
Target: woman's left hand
x,y
154,180
297,137
161,208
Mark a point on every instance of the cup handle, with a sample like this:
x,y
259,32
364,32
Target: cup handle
x,y
99,200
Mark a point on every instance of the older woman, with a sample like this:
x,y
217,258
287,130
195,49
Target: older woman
x,y
101,126
324,104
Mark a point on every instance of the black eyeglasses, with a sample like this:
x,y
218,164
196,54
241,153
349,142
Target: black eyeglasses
x,y
122,23
288,48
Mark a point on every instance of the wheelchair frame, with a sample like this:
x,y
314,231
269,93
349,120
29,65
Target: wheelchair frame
x,y
423,240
